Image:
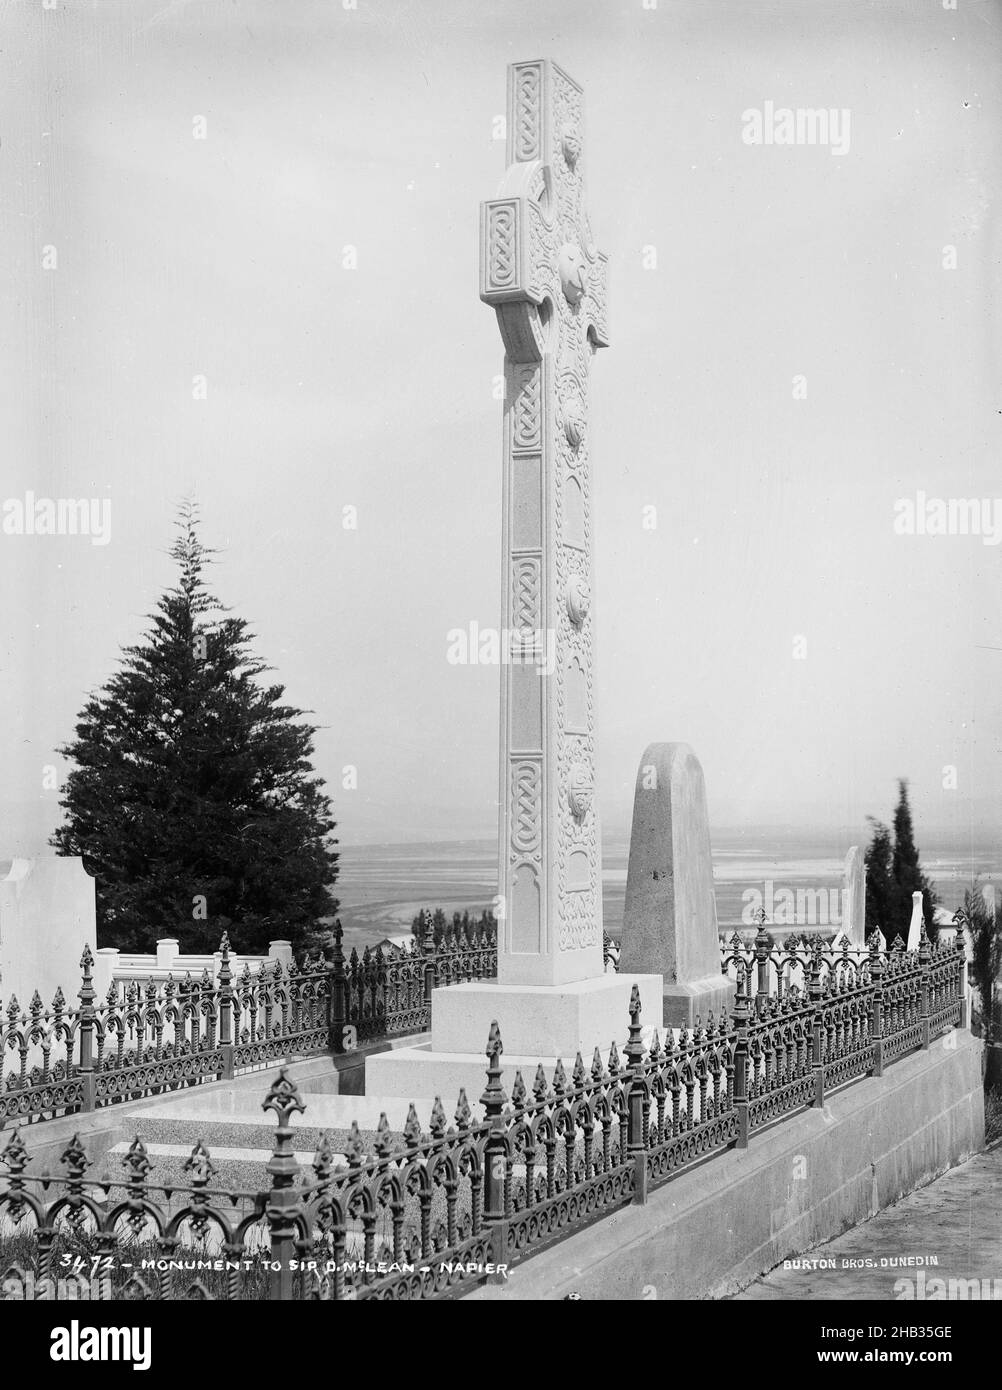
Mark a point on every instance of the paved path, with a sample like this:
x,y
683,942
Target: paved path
x,y
957,1220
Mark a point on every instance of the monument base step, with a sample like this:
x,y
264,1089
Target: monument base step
x,y
541,1021
683,1004
418,1073
421,1074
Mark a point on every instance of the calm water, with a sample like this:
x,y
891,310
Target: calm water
x,y
382,887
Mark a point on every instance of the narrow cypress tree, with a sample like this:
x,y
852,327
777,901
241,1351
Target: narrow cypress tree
x,y
193,801
906,873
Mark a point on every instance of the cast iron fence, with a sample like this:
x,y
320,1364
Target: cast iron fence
x,y
776,966
142,1039
430,1213
387,993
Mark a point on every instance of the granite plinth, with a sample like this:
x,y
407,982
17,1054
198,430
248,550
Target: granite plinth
x,y
538,1023
546,1021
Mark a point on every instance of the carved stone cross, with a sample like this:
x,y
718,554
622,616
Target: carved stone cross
x,y
547,282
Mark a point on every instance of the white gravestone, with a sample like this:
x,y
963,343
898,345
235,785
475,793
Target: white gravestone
x,y
854,897
915,925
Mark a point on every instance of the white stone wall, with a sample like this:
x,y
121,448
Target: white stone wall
x,y
47,917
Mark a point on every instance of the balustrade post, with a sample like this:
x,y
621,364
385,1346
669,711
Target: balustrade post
x,y
429,957
963,1022
877,1015
336,1006
86,1026
495,1154
762,943
817,1052
637,1104
283,1208
740,1019
925,957
225,987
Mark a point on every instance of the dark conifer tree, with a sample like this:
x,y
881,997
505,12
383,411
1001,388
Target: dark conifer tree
x,y
878,878
906,873
193,799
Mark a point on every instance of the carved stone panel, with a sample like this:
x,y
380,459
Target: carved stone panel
x,y
526,502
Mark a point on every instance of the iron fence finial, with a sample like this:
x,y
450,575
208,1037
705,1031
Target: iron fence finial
x,y
283,1098
438,1119
494,1098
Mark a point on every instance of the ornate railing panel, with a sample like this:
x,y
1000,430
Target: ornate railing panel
x,y
37,1059
778,1043
388,993
689,1097
141,1039
280,1012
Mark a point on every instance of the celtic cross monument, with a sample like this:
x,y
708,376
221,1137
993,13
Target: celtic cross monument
x,y
541,273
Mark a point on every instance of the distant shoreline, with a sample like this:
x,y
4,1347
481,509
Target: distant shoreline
x,y
381,888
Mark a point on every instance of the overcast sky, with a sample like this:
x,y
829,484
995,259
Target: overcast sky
x,y
773,618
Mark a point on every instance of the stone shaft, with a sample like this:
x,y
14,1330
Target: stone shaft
x,y
547,283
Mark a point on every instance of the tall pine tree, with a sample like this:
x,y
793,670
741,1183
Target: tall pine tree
x,y
193,800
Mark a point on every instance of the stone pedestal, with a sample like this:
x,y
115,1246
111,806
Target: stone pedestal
x,y
670,918
537,1024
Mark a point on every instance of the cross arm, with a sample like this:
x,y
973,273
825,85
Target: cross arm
x,y
517,253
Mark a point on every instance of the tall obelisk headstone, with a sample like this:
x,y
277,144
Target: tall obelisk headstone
x,y
547,283
670,913
854,896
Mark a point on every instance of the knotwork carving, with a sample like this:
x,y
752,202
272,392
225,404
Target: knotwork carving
x,y
527,113
525,596
526,834
526,424
503,250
